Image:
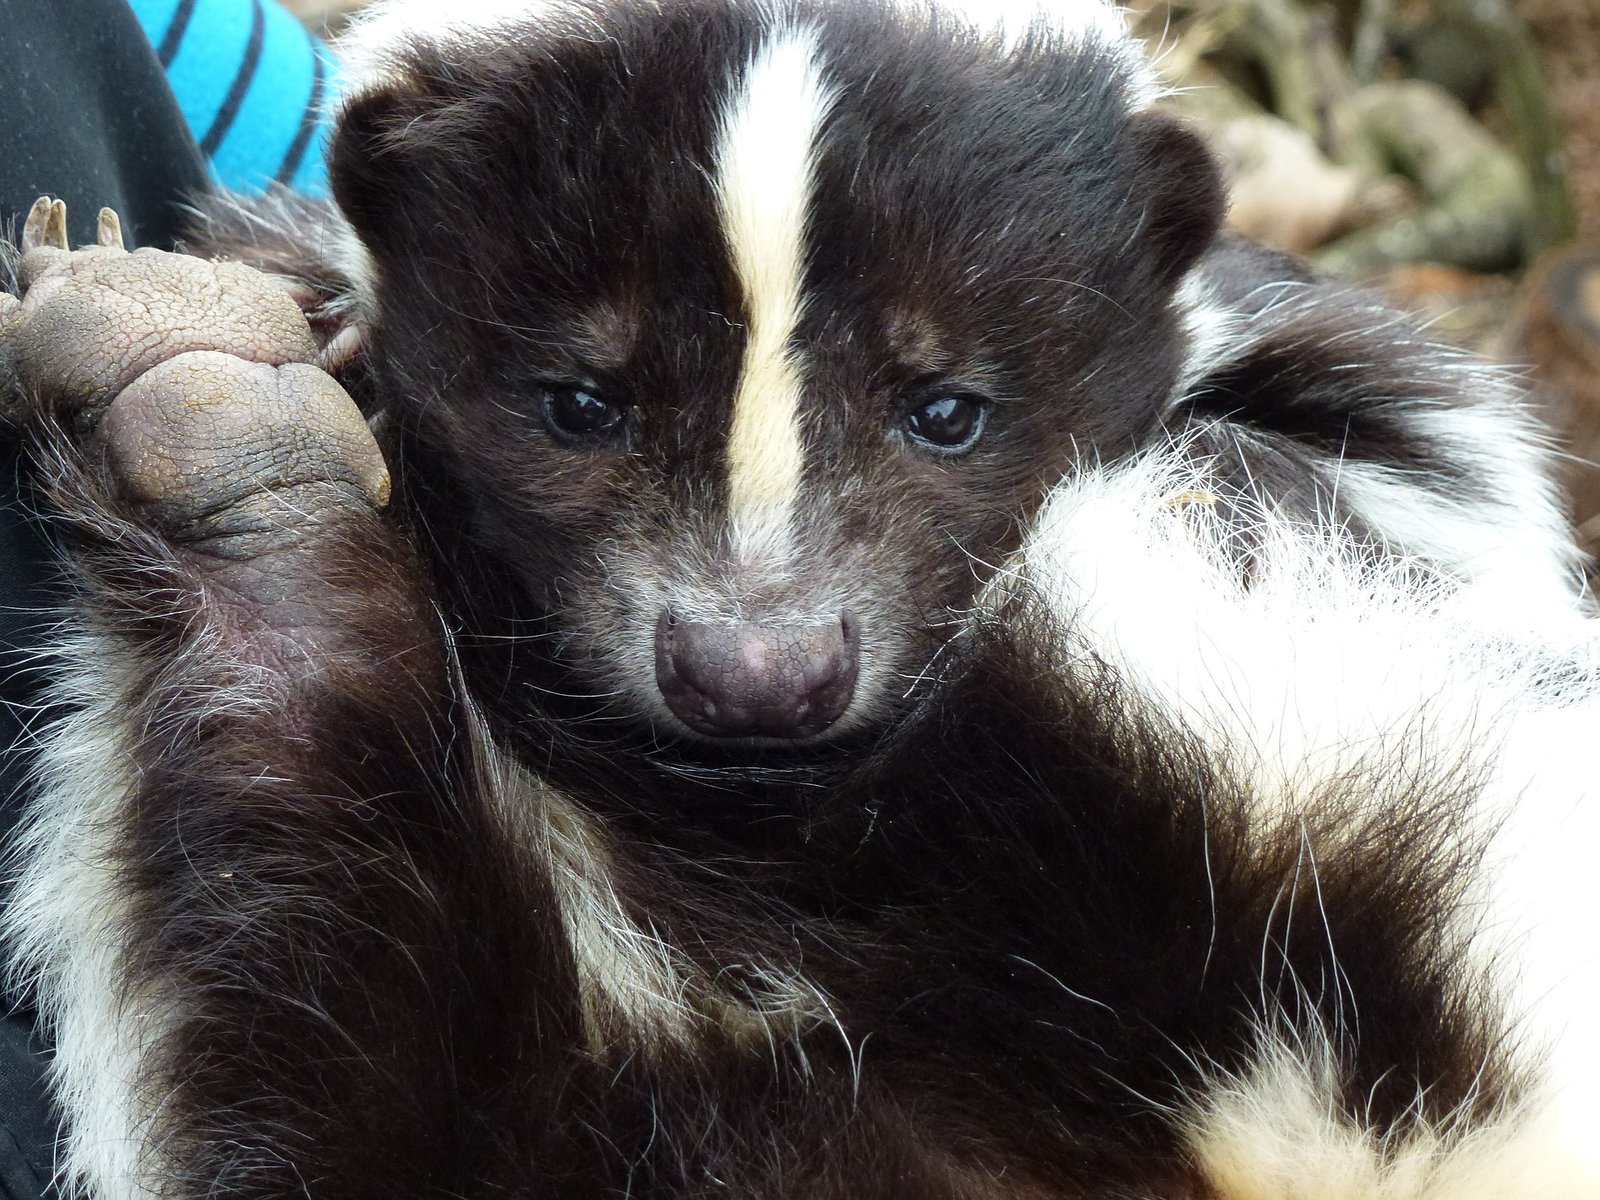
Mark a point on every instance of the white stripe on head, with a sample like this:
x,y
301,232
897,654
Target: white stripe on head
x,y
764,163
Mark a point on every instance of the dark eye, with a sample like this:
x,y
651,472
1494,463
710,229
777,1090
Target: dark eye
x,y
574,412
949,424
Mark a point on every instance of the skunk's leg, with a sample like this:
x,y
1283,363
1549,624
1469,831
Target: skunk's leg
x,y
259,846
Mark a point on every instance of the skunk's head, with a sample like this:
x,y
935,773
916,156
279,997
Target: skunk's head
x,y
747,336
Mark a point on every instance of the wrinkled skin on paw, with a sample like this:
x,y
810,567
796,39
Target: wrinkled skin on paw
x,y
195,378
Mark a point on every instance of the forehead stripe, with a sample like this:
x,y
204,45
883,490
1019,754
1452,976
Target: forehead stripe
x,y
763,182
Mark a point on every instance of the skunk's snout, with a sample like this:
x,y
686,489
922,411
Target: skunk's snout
x,y
746,680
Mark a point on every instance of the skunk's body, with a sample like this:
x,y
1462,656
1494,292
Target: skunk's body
x,y
1174,837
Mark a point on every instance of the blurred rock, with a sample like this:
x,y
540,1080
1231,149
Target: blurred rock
x,y
1441,50
1283,191
1477,201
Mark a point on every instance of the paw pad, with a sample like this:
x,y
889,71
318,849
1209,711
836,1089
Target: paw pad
x,y
195,376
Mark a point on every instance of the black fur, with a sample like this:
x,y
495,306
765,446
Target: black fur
x,y
1036,271
1040,910
1041,917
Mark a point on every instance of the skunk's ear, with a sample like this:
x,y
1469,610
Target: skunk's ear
x,y
369,164
1181,189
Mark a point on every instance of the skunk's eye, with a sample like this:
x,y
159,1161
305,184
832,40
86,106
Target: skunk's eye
x,y
948,424
576,413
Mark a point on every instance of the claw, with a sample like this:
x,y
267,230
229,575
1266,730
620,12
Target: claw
x,y
46,225
108,230
55,229
45,229
33,229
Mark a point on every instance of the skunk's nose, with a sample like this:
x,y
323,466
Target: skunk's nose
x,y
741,680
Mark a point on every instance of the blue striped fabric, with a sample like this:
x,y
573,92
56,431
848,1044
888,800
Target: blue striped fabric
x,y
252,84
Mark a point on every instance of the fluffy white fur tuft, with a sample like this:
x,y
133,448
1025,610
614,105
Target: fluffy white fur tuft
x,y
1510,538
67,926
1278,640
1278,1132
1305,662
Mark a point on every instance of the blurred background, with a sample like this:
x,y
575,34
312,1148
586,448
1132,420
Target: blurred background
x,y
1445,152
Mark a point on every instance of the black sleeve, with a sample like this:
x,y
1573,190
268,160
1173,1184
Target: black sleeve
x,y
86,115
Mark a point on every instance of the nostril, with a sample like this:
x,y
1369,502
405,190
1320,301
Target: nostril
x,y
831,667
740,679
849,651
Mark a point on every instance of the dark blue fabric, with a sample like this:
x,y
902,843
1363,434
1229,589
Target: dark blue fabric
x,y
85,114
29,1129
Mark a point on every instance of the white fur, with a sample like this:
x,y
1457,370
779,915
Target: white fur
x,y
1276,1132
1513,543
634,985
1316,662
630,979
350,256
1214,333
1514,546
1541,924
763,173
66,927
1327,666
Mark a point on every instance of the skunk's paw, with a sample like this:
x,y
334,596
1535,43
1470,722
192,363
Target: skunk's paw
x,y
193,382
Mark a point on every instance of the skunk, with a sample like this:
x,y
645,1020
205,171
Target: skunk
x,y
903,663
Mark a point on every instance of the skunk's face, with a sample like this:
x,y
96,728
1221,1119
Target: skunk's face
x,y
750,345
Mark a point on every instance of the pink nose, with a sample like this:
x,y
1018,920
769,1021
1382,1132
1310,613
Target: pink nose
x,y
742,680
